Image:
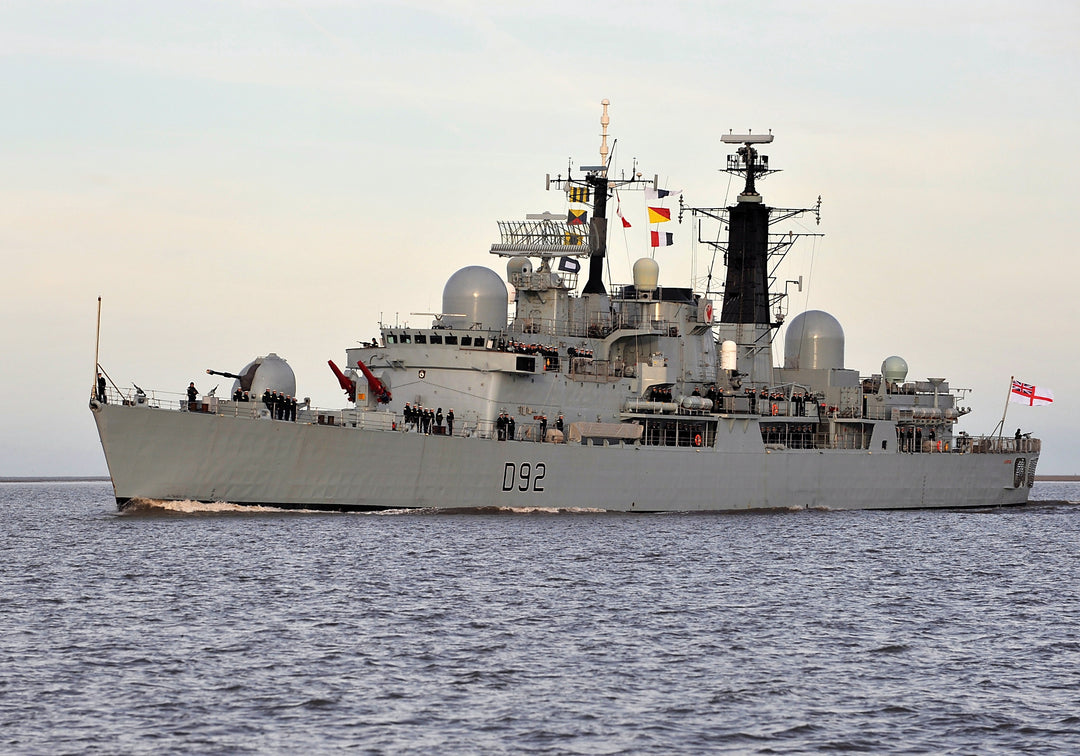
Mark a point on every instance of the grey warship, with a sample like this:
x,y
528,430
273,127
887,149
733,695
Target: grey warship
x,y
637,397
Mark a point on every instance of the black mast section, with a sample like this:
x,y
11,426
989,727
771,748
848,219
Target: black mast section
x,y
598,184
746,291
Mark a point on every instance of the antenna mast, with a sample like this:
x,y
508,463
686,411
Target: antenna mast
x,y
750,246
596,180
604,121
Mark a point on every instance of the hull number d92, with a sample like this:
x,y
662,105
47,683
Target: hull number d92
x,y
524,476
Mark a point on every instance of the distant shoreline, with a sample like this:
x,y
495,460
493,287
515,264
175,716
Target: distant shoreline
x,y
54,479
105,478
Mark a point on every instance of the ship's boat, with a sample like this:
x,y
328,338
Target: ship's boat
x,y
632,397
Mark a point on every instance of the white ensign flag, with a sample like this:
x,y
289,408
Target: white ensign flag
x,y
1025,393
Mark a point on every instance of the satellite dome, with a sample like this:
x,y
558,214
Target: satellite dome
x,y
475,296
269,372
894,369
646,274
814,341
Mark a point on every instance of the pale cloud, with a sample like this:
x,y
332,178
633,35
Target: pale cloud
x,y
237,178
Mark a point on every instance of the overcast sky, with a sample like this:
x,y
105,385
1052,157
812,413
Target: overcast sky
x,y
236,178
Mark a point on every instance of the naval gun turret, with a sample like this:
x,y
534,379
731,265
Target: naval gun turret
x,y
262,373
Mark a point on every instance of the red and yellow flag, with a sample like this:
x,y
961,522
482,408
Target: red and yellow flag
x,y
659,215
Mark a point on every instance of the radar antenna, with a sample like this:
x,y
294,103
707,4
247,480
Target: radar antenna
x,y
746,160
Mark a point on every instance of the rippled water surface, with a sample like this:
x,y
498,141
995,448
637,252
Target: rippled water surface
x,y
253,632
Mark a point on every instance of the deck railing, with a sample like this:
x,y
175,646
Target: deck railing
x,y
997,445
530,432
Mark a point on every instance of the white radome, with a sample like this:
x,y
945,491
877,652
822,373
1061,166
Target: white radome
x,y
814,341
473,296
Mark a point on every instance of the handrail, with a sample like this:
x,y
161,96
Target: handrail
x,y
362,418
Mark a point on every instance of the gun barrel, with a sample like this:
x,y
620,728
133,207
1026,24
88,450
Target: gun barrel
x,y
222,373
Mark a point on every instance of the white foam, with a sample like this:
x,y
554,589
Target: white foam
x,y
142,506
138,505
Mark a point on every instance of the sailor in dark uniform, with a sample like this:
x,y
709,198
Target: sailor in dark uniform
x,y
192,395
439,418
500,427
450,422
510,427
543,427
101,388
559,423
268,400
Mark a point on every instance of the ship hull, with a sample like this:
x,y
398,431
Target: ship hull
x,y
168,455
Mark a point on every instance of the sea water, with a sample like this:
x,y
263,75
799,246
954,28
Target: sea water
x,y
220,632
